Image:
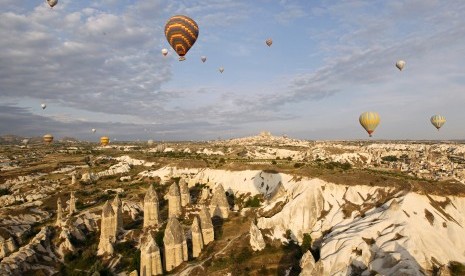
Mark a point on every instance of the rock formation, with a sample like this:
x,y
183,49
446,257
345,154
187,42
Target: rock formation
x,y
307,263
219,205
134,273
174,201
72,204
204,196
151,212
107,230
208,233
118,210
59,212
7,246
175,244
256,238
73,179
197,240
150,259
185,195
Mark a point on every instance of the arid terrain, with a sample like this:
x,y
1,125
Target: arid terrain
x,y
285,207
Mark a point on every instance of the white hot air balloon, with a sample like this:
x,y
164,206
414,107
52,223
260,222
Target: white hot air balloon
x,y
164,51
221,69
43,106
94,130
400,64
52,3
203,58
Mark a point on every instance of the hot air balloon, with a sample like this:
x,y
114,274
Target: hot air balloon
x,y
52,3
164,51
221,69
104,140
400,64
43,106
369,121
203,58
25,141
269,41
150,142
48,138
438,121
181,33
94,130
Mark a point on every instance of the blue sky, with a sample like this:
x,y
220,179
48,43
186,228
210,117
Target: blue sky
x,y
97,64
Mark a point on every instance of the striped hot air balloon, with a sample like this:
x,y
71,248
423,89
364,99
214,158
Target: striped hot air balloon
x,y
369,121
181,33
104,140
48,138
269,41
438,121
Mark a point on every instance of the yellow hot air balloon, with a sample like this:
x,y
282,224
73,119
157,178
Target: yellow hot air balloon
x,y
438,121
181,32
48,138
268,42
52,3
104,140
369,121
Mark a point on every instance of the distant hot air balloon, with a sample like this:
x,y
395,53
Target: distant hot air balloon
x,y
164,51
203,58
150,142
25,141
48,138
52,3
181,32
400,64
269,41
438,121
43,106
369,121
104,140
94,130
221,69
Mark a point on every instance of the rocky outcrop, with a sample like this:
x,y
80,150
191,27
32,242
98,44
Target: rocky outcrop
x,y
7,246
307,264
107,230
175,244
219,205
72,204
151,212
59,212
73,179
197,240
174,201
206,225
117,205
256,238
184,190
150,259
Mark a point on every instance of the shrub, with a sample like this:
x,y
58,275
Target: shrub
x,y
298,165
456,268
306,243
273,162
389,158
4,192
253,202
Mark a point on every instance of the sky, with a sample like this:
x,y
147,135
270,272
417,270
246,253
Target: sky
x,y
98,64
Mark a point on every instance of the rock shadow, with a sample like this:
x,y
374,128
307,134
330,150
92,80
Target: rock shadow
x,y
268,183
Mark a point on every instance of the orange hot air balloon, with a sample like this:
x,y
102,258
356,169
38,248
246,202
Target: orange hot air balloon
x,y
181,32
48,139
104,140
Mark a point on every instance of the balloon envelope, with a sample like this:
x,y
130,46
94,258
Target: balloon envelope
x,y
181,32
104,140
221,69
48,138
400,64
438,121
94,130
203,58
369,121
164,52
269,41
52,3
43,106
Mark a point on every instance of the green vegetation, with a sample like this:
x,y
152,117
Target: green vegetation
x,y
338,165
456,268
5,192
389,158
253,202
298,165
130,255
306,243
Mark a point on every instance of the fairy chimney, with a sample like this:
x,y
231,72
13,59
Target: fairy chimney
x,y
174,201
206,225
184,189
151,212
219,205
118,210
150,259
107,230
59,212
175,244
72,204
197,240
